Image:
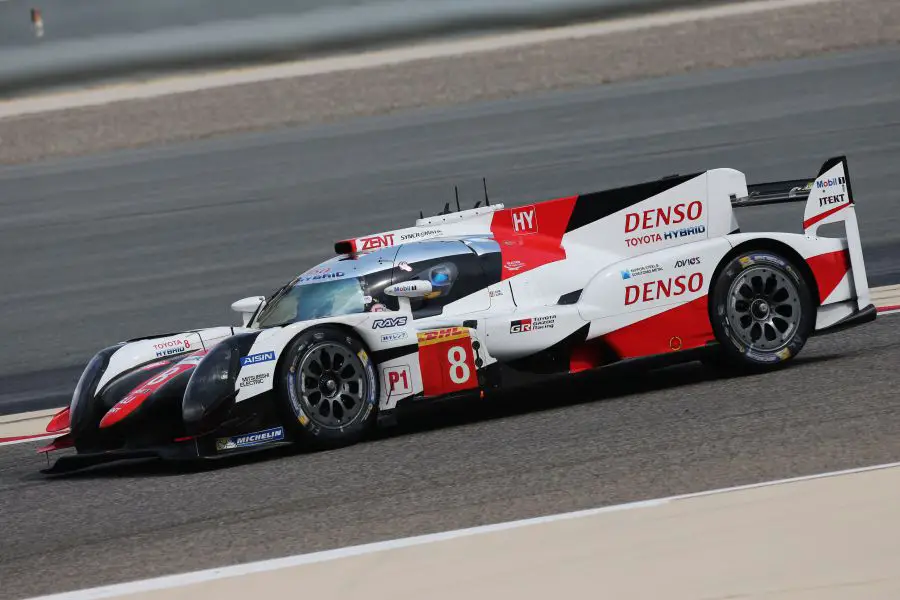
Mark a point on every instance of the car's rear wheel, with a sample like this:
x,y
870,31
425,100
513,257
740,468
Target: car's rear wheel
x,y
329,387
762,311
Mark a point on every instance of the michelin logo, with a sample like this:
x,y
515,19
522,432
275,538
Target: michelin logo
x,y
275,434
257,358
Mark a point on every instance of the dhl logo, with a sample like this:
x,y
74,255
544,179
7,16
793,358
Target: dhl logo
x,y
442,335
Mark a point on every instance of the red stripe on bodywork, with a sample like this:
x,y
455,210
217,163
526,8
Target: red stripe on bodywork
x,y
59,422
19,438
63,441
139,394
586,356
680,328
828,270
531,236
813,220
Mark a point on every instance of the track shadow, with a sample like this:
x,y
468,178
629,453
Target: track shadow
x,y
156,467
614,382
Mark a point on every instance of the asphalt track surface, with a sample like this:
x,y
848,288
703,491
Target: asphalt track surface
x,y
102,248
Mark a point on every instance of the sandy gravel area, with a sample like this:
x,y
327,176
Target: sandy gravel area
x,y
830,25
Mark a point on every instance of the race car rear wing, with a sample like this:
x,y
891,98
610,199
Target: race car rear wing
x,y
829,199
794,190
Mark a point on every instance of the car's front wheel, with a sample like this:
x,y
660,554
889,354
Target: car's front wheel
x,y
328,387
762,311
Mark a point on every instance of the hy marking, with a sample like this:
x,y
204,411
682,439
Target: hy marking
x,y
264,566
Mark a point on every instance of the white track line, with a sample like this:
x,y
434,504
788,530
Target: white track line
x,y
176,581
227,77
32,439
28,416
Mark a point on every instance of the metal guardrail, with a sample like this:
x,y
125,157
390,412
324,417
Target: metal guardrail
x,y
48,43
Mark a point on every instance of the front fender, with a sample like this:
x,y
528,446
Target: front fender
x,y
214,383
377,330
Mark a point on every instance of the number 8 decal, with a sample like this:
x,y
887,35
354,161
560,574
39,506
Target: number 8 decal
x,y
459,370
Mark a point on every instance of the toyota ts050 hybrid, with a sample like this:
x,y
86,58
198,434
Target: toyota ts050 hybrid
x,y
465,301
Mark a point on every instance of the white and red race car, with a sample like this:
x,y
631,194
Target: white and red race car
x,y
465,301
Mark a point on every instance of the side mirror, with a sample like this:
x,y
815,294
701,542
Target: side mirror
x,y
409,289
248,307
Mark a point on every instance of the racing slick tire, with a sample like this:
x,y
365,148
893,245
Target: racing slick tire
x,y
328,388
762,312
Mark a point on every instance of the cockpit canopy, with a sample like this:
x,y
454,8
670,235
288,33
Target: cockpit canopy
x,y
355,283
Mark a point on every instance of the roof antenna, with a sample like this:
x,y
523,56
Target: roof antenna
x,y
456,189
477,204
484,183
421,215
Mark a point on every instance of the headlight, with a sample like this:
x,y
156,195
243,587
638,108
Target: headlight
x,y
212,382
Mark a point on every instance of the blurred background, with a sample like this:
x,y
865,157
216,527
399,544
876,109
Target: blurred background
x,y
58,42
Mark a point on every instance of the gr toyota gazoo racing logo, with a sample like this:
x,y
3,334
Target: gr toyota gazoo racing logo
x,y
520,326
532,324
660,289
655,224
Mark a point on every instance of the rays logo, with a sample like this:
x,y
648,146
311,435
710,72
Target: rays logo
x,y
389,322
532,324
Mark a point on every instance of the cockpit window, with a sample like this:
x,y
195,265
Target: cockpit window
x,y
306,301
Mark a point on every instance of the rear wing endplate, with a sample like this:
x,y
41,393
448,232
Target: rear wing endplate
x,y
829,199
